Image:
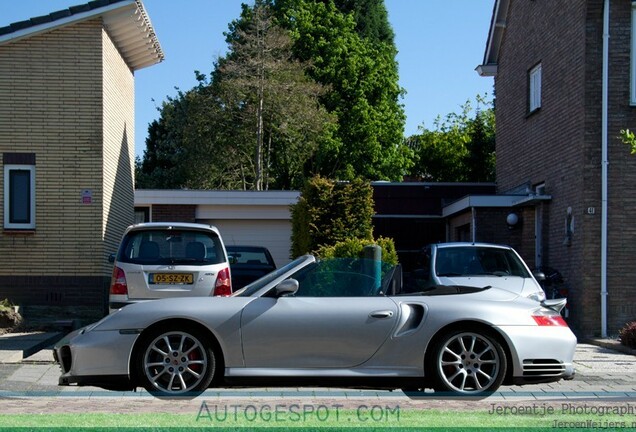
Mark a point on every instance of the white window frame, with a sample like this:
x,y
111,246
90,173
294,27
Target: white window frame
x,y
7,198
534,88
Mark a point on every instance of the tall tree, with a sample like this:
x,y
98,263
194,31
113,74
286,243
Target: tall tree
x,y
371,18
459,148
364,93
254,125
268,92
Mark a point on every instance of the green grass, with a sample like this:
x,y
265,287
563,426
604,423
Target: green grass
x,y
388,417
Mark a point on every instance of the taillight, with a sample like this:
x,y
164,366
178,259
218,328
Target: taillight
x,y
549,320
223,285
118,284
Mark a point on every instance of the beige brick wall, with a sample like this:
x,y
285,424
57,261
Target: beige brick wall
x,y
51,105
119,148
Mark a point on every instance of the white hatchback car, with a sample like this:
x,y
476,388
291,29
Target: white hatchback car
x,y
475,265
165,259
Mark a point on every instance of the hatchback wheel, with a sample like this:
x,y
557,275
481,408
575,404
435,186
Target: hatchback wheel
x,y
175,363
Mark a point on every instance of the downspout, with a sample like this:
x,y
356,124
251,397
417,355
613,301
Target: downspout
x,y
604,167
473,222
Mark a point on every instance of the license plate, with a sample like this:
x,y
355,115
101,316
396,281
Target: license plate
x,y
171,278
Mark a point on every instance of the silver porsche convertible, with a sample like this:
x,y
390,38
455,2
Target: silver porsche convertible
x,y
325,323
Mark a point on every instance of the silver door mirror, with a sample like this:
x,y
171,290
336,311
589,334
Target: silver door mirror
x,y
287,287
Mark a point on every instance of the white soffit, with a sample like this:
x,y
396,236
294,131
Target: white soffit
x,y
492,201
126,22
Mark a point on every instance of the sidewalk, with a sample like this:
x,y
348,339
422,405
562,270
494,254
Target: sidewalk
x,y
15,347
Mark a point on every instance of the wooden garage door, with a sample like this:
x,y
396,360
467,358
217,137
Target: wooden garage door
x,y
275,235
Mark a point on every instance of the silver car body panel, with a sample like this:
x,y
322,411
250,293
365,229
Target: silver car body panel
x,y
355,337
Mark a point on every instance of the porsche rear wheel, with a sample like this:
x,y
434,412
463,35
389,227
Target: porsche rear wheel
x,y
175,363
468,363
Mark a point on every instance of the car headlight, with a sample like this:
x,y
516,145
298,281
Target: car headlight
x,y
538,296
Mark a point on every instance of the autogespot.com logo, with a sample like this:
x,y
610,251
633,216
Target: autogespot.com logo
x,y
296,413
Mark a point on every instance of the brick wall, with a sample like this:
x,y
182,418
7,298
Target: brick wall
x,y
491,227
561,144
119,148
545,146
174,213
66,97
50,105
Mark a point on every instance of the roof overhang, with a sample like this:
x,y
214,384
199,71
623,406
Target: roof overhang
x,y
493,201
125,21
495,36
203,197
214,205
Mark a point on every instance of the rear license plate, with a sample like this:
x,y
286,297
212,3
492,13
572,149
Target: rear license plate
x,y
170,278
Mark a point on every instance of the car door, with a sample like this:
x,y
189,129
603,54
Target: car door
x,y
315,332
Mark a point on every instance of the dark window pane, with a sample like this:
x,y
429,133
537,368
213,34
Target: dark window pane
x,y
20,196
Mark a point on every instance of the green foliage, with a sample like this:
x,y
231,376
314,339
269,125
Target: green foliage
x,y
362,77
628,138
328,212
255,125
6,304
188,146
459,148
354,248
371,18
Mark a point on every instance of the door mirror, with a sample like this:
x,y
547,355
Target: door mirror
x,y
286,287
539,276
111,258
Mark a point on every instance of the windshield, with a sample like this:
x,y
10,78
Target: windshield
x,y
251,289
478,261
335,277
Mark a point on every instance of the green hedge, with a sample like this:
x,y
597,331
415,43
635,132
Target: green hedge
x,y
329,212
354,248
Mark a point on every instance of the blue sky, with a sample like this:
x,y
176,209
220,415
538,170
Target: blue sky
x,y
440,42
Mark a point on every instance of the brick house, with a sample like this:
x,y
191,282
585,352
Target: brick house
x,y
565,84
66,139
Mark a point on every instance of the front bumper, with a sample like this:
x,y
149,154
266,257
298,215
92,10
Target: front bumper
x,y
96,358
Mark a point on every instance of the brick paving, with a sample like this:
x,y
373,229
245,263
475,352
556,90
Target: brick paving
x,y
604,377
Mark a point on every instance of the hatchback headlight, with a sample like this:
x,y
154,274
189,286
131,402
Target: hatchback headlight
x,y
538,296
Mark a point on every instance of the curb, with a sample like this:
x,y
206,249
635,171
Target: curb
x,y
610,344
28,352
16,347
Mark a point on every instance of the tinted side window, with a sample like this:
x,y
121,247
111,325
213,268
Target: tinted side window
x,y
155,247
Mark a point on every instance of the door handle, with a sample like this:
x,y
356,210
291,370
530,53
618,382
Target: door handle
x,y
381,314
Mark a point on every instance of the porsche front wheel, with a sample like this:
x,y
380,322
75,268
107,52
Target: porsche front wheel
x,y
175,363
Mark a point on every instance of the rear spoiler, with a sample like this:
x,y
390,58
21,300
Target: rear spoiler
x,y
555,304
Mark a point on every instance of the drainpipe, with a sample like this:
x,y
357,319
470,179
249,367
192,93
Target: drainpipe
x,y
473,223
604,166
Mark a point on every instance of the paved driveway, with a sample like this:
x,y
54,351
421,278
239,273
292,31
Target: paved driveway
x,y
603,376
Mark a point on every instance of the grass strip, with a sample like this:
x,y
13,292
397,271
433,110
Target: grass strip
x,y
373,418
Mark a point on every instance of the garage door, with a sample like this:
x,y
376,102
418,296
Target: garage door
x,y
275,235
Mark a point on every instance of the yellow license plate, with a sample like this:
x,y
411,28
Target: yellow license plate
x,y
171,278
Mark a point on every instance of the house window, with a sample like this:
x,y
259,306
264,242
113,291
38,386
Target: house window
x,y
19,196
534,93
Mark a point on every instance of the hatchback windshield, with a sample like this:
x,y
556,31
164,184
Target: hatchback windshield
x,y
475,261
157,247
